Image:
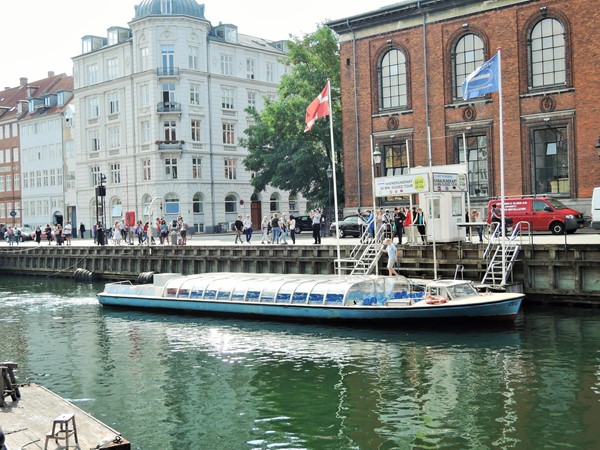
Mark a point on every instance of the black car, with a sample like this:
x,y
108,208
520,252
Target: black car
x,y
303,223
347,227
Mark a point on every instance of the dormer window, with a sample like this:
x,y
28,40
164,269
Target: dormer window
x,y
166,7
227,32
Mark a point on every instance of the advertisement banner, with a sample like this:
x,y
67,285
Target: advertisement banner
x,y
401,185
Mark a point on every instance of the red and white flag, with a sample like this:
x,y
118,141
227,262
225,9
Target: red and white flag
x,y
318,108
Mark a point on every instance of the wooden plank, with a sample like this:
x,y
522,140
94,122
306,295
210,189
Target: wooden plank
x,y
26,422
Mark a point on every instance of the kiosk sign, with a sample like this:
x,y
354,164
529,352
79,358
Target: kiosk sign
x,y
449,182
401,185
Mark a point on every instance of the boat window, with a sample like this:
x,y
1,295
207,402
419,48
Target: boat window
x,y
223,295
299,297
463,290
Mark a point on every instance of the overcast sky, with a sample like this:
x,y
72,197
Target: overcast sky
x,y
43,35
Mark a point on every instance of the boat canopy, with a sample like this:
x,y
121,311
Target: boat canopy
x,y
285,288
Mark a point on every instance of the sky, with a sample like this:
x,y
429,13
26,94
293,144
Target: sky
x,y
39,36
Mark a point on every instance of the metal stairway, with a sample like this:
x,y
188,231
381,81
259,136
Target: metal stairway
x,y
494,273
364,256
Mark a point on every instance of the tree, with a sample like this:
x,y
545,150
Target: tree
x,y
279,152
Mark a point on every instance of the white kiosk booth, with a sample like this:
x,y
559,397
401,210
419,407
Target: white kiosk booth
x,y
441,193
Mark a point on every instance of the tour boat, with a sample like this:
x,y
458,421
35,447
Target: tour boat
x,y
365,298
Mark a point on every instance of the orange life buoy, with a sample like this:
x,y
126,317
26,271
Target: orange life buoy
x,y
431,300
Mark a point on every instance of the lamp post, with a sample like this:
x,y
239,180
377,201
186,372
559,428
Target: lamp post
x,y
329,177
376,161
101,192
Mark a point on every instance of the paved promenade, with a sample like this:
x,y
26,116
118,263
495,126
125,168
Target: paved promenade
x,y
581,237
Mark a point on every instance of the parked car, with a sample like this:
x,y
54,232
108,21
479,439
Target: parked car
x,y
25,234
303,223
542,213
347,227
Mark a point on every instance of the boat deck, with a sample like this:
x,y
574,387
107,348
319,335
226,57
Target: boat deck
x,y
28,420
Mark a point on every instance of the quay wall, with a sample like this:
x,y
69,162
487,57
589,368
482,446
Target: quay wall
x,y
548,272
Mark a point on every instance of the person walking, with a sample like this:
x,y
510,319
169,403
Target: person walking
x,y
238,226
275,228
81,230
67,231
399,218
292,227
283,225
38,235
476,217
264,226
392,253
315,217
419,221
248,228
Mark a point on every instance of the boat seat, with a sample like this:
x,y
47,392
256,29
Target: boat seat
x,y
63,428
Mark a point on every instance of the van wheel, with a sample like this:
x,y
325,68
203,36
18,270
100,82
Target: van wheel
x,y
557,228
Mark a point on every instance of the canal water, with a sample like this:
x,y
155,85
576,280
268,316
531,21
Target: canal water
x,y
173,381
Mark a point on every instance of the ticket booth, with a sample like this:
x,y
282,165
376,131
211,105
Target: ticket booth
x,y
443,211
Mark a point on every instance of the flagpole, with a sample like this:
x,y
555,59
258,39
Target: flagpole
x,y
333,163
503,218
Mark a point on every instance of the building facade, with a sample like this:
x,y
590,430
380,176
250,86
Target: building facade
x,y
160,107
402,68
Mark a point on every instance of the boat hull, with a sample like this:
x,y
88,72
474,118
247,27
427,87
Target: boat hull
x,y
502,307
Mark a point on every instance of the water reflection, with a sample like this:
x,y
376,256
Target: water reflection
x,y
176,381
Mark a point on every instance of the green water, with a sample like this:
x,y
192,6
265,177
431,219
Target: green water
x,y
168,381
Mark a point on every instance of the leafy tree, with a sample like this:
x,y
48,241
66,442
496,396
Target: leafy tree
x,y
280,153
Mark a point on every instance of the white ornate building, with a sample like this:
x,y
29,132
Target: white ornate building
x,y
160,107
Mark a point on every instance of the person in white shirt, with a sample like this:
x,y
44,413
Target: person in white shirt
x,y
68,231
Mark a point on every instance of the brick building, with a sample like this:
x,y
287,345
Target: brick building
x,y
402,67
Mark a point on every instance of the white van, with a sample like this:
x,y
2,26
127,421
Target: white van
x,y
596,209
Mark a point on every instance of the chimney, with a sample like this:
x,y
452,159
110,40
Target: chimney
x,y
50,73
23,81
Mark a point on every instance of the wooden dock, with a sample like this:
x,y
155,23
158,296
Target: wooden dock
x,y
27,421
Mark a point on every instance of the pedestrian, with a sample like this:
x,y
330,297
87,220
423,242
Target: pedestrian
x,y
292,227
476,217
315,216
100,235
399,218
264,226
238,227
419,221
275,228
283,226
370,221
81,230
467,220
38,234
11,235
392,252
248,228
67,231
117,236
183,230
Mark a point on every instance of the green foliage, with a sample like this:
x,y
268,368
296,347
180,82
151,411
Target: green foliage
x,y
279,152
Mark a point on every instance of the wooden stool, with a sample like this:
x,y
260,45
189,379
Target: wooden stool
x,y
63,427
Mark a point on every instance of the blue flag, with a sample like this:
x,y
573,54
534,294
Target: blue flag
x,y
483,80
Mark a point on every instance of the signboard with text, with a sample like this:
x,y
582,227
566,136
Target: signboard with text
x,y
401,185
449,182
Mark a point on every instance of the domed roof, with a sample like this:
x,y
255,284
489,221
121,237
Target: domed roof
x,y
180,7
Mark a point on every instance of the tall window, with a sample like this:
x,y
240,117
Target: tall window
x,y
112,68
227,95
114,137
195,123
171,168
144,95
115,173
394,161
393,80
547,54
143,59
147,170
226,64
230,203
168,92
145,131
193,57
250,69
167,52
95,175
170,128
198,203
229,133
92,73
113,102
252,99
230,169
93,108
94,139
196,167
270,72
274,202
476,156
468,56
194,94
551,161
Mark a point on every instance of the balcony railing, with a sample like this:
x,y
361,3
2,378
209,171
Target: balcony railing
x,y
168,107
167,71
170,145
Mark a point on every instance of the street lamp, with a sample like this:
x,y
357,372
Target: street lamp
x,y
375,161
329,177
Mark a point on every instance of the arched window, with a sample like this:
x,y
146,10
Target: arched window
x,y
468,56
547,54
198,203
231,204
393,80
293,203
274,201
